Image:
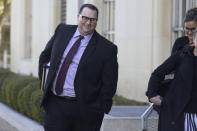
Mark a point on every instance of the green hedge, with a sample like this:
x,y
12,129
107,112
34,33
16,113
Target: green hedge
x,y
21,93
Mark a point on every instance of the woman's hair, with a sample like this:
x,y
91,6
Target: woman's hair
x,y
191,15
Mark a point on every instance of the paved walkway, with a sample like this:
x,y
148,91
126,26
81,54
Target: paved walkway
x,y
5,126
127,111
10,120
117,111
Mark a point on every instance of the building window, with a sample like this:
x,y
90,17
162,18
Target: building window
x,y
28,29
179,9
63,11
191,3
108,19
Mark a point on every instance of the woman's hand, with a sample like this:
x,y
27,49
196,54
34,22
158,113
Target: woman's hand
x,y
195,42
156,100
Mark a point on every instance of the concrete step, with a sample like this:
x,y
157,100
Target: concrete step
x,y
14,121
121,118
121,124
128,118
5,126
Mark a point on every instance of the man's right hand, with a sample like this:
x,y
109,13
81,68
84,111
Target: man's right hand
x,y
156,100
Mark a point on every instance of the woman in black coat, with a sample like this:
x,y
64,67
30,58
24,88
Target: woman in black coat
x,y
179,105
189,26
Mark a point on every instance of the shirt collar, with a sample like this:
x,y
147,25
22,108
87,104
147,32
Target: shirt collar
x,y
77,33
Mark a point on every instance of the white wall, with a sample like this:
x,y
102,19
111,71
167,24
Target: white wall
x,y
71,11
17,32
142,33
42,30
143,39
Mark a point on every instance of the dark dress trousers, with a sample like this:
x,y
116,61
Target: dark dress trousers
x,y
97,73
171,117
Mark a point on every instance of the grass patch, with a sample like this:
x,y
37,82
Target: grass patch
x,y
119,100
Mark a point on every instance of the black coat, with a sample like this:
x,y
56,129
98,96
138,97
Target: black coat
x,y
179,44
171,117
96,77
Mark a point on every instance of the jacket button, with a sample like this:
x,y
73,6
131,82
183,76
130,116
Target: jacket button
x,y
172,122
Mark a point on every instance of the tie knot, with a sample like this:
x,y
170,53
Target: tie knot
x,y
81,37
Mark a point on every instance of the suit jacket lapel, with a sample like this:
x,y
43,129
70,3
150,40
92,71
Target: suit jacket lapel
x,y
63,42
88,51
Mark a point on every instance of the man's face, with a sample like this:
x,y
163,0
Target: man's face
x,y
189,28
87,21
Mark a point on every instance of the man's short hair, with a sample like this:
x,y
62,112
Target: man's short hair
x,y
90,6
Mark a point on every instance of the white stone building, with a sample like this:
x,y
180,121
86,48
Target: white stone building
x,y
143,30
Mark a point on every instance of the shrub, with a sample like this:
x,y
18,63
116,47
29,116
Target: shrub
x,y
21,93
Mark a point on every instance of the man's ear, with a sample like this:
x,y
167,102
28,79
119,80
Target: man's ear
x,y
78,17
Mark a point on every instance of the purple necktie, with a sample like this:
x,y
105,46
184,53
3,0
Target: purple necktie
x,y
64,69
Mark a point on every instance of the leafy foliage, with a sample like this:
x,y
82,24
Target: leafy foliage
x,y
23,94
4,9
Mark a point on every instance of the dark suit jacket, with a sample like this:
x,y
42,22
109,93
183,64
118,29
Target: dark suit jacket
x,y
171,117
97,74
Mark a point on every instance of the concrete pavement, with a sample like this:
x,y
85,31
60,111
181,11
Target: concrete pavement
x,y
10,120
121,118
5,126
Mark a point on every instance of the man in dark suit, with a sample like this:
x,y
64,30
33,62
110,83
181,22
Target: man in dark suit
x,y
82,77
